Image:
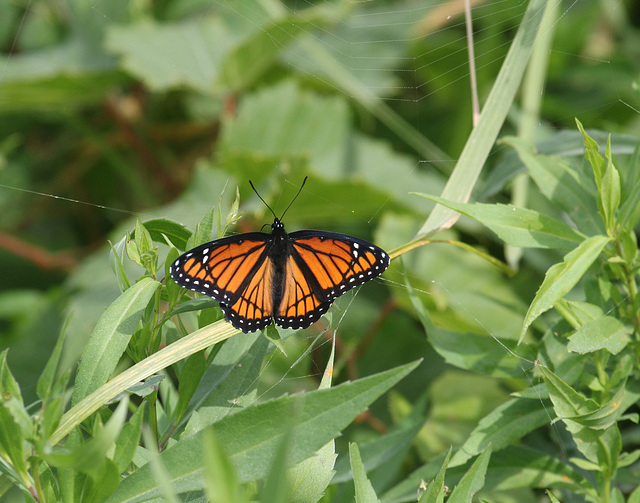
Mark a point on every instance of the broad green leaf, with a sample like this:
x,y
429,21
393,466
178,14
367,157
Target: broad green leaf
x,y
473,480
273,123
607,413
435,492
478,353
309,479
177,233
232,390
248,61
562,277
504,426
171,55
364,489
567,402
321,415
517,226
522,467
561,184
11,443
221,481
600,446
606,332
275,487
490,122
111,336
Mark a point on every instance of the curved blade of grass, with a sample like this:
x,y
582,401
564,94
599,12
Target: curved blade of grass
x,y
493,114
197,341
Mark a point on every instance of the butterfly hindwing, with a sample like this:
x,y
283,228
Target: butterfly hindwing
x,y
235,271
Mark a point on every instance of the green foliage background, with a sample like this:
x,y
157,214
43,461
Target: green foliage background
x,y
153,113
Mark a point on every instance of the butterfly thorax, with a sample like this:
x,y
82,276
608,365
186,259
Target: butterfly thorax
x,y
278,252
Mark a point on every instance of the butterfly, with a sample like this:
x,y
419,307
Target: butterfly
x,y
292,279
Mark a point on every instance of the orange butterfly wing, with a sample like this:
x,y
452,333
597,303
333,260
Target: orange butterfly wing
x,y
235,271
321,267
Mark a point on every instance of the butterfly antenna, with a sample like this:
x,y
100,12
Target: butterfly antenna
x,y
296,196
265,202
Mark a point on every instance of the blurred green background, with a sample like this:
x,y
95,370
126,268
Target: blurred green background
x,y
113,110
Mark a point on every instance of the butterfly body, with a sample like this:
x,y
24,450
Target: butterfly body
x,y
291,279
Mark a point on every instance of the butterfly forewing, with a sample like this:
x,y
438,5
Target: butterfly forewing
x,y
222,268
337,262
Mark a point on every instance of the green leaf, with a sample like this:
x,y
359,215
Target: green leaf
x,y
128,440
221,481
435,491
177,233
364,489
11,443
275,487
378,452
230,391
562,277
593,156
552,498
171,55
116,258
143,238
310,478
473,480
190,375
47,378
110,337
561,184
600,446
521,467
89,456
322,415
610,194
606,332
248,61
204,230
517,226
479,353
272,124
503,426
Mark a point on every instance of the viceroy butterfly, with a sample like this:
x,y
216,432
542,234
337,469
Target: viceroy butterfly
x,y
291,279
